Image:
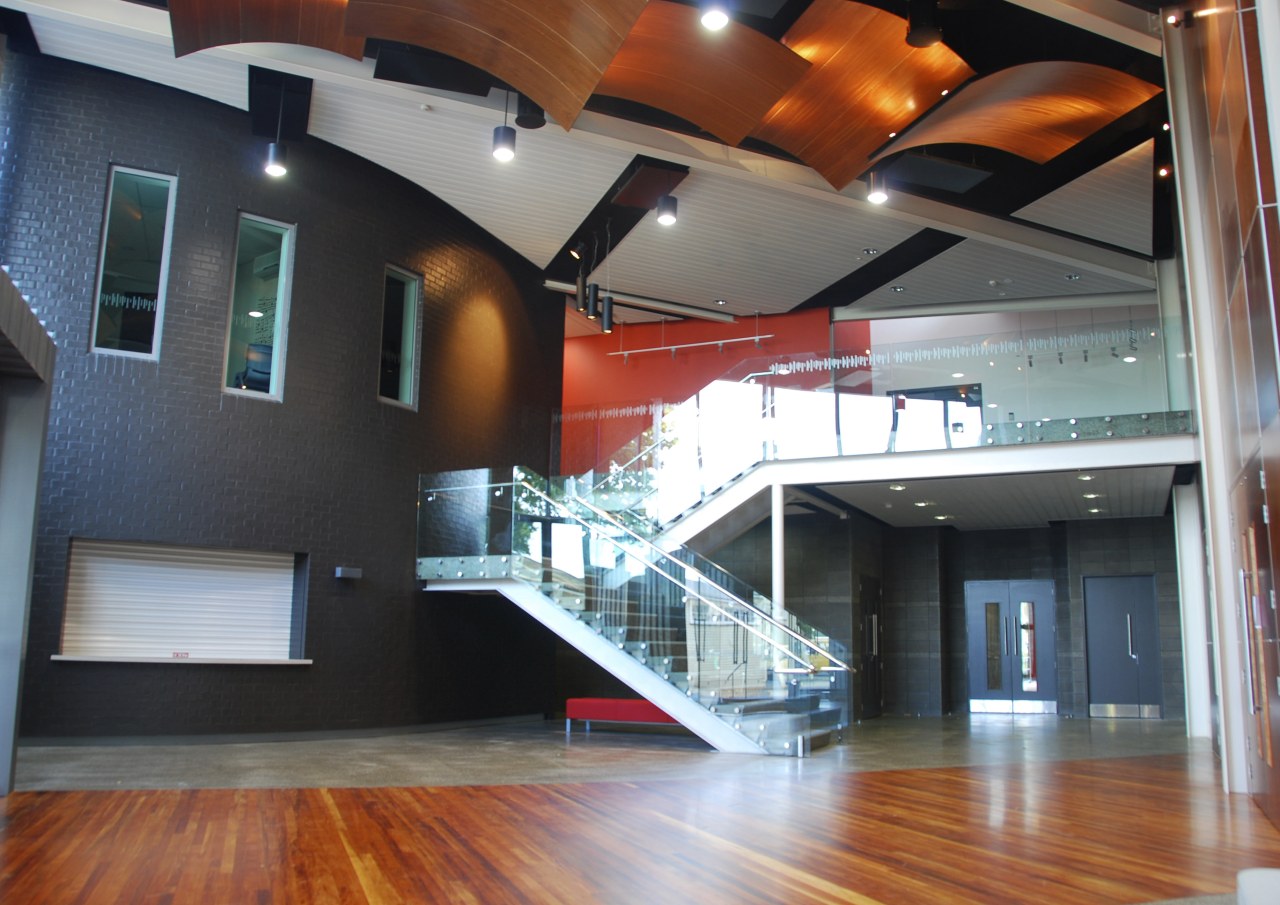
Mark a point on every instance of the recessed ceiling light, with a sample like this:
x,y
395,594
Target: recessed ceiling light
x,y
1165,127
1084,477
255,314
897,486
1129,359
941,518
1091,496
957,375
921,504
946,91
871,251
993,405
1095,510
898,288
895,134
1163,171
721,302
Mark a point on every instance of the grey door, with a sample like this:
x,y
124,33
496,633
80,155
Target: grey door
x,y
1122,634
1012,646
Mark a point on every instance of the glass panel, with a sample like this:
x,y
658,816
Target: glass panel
x,y
995,648
399,361
1027,639
134,263
259,307
681,616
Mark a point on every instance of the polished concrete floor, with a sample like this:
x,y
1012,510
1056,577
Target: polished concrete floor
x,y
539,751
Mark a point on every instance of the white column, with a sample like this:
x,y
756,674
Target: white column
x,y
779,535
1194,603
1202,262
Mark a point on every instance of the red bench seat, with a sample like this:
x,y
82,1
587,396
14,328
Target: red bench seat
x,y
613,710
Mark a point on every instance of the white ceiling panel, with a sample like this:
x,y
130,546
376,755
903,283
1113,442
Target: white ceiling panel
x,y
1112,204
534,203
759,248
1013,501
976,271
145,58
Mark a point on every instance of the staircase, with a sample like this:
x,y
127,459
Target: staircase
x,y
744,676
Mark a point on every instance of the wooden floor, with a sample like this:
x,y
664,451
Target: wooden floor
x,y
1090,831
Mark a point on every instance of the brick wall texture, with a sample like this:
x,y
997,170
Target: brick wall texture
x,y
156,451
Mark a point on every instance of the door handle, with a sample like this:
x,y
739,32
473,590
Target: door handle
x,y
1015,634
875,635
1128,622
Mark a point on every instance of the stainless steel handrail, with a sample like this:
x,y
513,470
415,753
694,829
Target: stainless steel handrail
x,y
782,648
817,648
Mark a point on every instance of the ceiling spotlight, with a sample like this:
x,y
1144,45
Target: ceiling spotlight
x,y
1084,477
578,251
870,251
714,17
897,486
941,518
1165,127
667,210
1071,276
1162,172
275,165
922,23
504,143
528,114
721,302
876,193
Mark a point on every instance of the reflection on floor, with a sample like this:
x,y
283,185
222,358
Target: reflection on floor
x,y
1087,811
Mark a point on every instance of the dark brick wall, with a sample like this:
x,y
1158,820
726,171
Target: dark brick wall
x,y
914,623
155,451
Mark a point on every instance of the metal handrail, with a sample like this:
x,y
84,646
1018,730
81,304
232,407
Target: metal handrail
x,y
600,513
684,587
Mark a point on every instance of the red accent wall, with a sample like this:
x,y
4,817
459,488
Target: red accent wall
x,y
597,384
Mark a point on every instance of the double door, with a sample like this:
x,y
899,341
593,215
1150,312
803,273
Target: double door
x,y
1012,646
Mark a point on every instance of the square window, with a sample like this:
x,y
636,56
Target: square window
x,y
133,266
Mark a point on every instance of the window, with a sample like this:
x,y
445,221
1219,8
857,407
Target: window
x,y
133,267
399,361
259,317
128,601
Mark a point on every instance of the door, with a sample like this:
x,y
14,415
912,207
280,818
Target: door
x,y
1012,646
872,667
1122,638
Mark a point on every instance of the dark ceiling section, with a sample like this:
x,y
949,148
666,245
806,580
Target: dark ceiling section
x,y
16,28
414,65
883,269
633,194
279,104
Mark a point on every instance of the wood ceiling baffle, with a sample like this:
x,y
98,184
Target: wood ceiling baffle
x,y
723,82
200,24
865,82
1035,110
553,51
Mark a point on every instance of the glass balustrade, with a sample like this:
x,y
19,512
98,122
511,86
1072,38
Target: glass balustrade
x,y
769,674
1096,382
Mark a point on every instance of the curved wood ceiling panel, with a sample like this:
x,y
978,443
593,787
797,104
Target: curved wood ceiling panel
x,y
200,24
865,82
723,82
1036,110
553,51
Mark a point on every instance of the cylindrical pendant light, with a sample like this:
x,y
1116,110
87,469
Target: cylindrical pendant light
x,y
667,210
276,157
504,143
593,301
580,297
606,315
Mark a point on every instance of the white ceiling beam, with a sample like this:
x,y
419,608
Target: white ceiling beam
x,y
1110,18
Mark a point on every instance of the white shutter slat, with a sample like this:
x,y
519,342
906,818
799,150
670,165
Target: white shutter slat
x,y
148,601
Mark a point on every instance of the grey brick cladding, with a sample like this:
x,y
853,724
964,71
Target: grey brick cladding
x,y
155,451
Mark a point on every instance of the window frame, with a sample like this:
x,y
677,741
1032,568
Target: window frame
x,y
284,298
414,280
162,282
